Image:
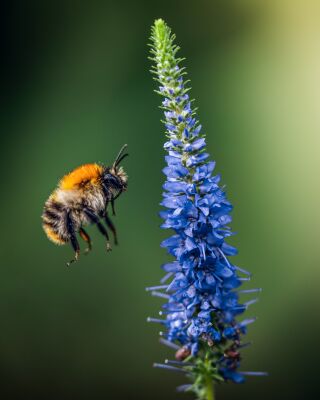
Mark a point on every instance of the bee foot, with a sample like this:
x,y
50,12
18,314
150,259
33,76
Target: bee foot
x,y
109,248
76,257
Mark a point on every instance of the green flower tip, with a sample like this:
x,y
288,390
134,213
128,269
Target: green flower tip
x,y
160,26
160,29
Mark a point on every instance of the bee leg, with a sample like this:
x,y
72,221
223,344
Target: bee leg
x,y
73,240
111,227
92,216
112,207
76,257
104,232
87,239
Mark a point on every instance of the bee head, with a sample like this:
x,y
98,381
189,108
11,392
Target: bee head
x,y
114,177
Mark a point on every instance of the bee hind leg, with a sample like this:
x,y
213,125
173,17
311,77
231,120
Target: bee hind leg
x,y
87,239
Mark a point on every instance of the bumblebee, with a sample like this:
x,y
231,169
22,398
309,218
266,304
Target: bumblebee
x,y
81,198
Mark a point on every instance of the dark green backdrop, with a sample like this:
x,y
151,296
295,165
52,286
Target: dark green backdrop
x,y
76,87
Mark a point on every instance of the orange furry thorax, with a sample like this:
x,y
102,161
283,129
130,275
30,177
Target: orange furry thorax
x,y
87,173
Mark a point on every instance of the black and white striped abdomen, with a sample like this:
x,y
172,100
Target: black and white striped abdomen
x,y
54,221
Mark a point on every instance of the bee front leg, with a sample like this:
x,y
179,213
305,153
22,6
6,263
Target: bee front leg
x,y
73,240
111,227
112,207
95,219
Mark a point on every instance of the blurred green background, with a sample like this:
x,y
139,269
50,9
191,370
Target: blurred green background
x,y
75,88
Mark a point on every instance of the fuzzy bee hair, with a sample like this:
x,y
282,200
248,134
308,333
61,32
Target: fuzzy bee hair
x,y
82,198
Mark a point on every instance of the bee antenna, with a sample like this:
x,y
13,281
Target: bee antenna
x,y
120,156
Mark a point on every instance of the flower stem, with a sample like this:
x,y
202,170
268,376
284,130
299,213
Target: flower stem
x,y
210,390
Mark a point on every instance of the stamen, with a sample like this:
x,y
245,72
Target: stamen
x,y
239,307
169,344
150,288
171,311
246,322
250,290
181,363
254,373
173,306
156,320
203,251
183,388
158,294
250,302
224,257
242,270
166,277
164,366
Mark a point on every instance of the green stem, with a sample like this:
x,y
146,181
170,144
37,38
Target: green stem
x,y
210,390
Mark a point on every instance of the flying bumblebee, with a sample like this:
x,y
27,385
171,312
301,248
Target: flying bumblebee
x,y
82,198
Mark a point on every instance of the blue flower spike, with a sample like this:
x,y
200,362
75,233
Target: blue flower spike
x,y
200,286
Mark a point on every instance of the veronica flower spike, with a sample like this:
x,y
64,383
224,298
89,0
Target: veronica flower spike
x,y
199,318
